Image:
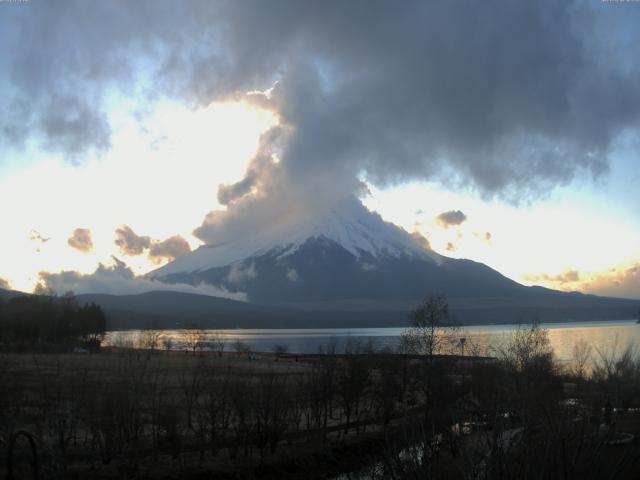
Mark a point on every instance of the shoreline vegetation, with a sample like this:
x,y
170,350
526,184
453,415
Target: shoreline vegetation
x,y
435,408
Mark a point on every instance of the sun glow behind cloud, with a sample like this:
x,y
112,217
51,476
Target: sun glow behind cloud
x,y
160,177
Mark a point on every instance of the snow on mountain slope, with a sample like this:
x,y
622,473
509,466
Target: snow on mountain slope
x,y
346,253
351,225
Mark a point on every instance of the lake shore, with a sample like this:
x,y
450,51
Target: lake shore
x,y
601,335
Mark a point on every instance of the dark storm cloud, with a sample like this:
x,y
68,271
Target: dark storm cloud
x,y
131,243
71,125
168,249
510,98
452,217
81,240
501,93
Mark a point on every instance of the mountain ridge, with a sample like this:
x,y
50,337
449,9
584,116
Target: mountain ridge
x,y
346,253
167,309
170,309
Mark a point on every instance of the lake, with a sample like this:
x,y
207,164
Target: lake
x,y
604,336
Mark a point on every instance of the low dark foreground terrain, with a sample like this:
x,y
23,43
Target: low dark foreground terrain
x,y
150,414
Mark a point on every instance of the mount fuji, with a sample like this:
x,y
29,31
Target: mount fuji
x,y
346,256
345,267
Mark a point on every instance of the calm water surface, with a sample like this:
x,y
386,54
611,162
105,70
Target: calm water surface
x,y
604,336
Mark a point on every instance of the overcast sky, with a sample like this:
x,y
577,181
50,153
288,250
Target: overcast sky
x,y
503,131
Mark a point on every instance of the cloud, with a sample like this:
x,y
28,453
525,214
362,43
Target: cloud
x,y
486,237
368,267
451,247
71,124
620,281
518,140
35,236
4,284
421,239
130,243
81,240
450,218
292,275
240,273
168,249
568,276
379,91
276,204
39,239
118,279
397,91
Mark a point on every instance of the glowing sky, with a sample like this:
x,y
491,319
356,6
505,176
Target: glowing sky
x,y
159,178
119,125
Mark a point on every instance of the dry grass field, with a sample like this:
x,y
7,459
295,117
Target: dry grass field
x,y
133,414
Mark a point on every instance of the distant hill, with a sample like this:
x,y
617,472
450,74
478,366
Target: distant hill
x,y
164,309
9,294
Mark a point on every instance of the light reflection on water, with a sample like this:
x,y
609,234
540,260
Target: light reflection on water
x,y
602,336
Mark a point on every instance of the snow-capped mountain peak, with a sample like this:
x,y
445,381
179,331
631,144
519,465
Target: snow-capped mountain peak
x,y
350,225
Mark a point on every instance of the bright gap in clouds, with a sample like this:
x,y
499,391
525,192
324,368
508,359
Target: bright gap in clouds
x,y
160,177
557,242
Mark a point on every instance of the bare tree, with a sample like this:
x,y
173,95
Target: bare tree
x,y
617,372
150,339
241,348
528,347
432,330
280,349
122,341
191,381
167,342
219,342
330,347
581,358
216,407
193,338
353,377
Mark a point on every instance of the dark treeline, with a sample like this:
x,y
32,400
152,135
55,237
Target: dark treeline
x,y
49,322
